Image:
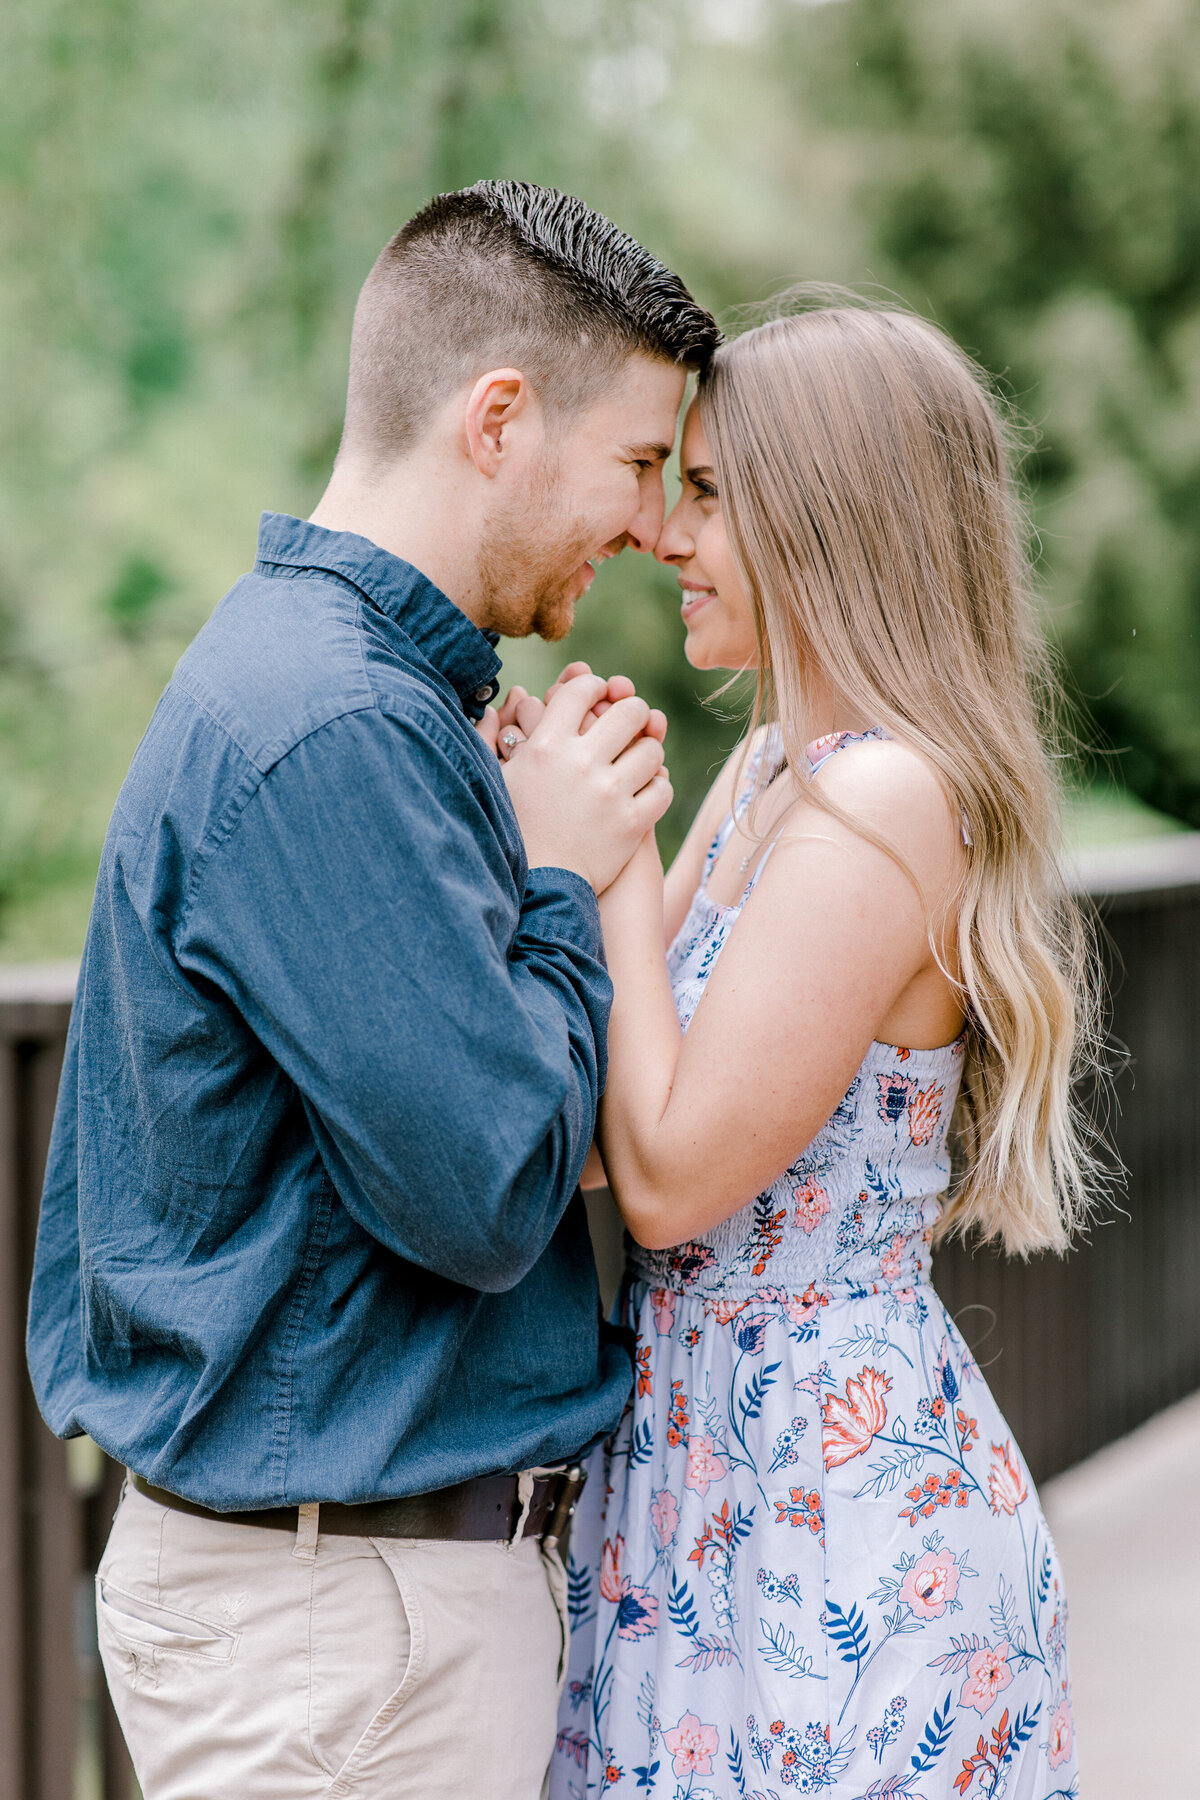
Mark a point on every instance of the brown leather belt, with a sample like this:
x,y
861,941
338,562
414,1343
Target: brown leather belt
x,y
488,1507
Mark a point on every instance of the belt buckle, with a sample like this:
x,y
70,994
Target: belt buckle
x,y
571,1485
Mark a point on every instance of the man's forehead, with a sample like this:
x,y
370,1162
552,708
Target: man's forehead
x,y
643,403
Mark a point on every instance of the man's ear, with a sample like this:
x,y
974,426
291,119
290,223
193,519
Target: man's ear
x,y
497,401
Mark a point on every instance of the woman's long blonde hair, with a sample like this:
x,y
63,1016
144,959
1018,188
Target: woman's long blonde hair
x,y
864,473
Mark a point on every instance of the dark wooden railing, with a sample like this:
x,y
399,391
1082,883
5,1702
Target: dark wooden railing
x,y
1077,1351
59,1735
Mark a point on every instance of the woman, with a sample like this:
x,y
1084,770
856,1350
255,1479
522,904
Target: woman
x,y
823,1563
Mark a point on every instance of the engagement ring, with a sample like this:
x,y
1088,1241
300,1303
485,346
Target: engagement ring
x,y
508,742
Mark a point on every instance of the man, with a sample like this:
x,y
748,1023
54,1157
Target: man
x,y
311,1260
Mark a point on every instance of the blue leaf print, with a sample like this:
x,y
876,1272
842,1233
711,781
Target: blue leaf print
x,y
784,1652
681,1608
934,1738
641,1444
733,1756
579,1592
849,1632
751,1401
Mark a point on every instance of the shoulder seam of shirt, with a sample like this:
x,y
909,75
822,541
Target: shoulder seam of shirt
x,y
232,816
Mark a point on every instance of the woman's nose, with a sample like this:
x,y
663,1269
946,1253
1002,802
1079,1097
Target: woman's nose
x,y
674,543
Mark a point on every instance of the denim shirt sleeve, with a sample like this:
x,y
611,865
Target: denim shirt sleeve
x,y
445,1031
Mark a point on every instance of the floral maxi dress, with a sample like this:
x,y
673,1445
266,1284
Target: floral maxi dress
x,y
812,1559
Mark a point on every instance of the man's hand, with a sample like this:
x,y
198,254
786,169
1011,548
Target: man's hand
x,y
584,799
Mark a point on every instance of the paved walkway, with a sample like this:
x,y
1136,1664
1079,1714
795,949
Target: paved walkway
x,y
1127,1526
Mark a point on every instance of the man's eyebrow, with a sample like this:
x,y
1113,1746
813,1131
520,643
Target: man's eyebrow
x,y
649,452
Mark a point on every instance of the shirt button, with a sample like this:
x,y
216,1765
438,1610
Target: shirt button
x,y
487,693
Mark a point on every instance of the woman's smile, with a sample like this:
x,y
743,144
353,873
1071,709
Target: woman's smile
x,y
694,597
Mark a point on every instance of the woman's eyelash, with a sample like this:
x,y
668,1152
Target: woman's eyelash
x,y
705,489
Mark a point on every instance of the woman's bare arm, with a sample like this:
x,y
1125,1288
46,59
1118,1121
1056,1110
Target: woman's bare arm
x,y
819,961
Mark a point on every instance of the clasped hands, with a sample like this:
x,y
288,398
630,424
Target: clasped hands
x,y
584,769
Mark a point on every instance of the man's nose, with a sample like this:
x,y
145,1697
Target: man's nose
x,y
643,532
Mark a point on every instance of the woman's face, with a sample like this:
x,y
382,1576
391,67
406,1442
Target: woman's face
x,y
715,608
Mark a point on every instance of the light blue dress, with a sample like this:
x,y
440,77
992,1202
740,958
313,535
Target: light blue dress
x,y
813,1559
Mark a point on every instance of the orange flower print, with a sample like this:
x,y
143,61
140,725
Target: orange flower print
x,y
802,1509
1062,1735
925,1499
988,1674
1006,1484
645,1375
678,1421
812,1203
610,1568
847,1426
924,1113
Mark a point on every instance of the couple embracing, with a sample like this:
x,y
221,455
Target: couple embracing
x,y
378,972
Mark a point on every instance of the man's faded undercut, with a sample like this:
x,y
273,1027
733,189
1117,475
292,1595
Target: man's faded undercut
x,y
507,275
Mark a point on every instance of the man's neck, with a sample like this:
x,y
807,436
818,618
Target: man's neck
x,y
416,514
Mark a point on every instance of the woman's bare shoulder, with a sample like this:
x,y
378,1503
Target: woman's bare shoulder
x,y
894,790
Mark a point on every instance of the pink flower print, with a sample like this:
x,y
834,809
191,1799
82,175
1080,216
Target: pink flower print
x,y
663,1301
812,1203
891,1258
664,1515
847,1426
704,1466
988,1674
799,1308
924,1113
692,1745
1006,1484
931,1584
637,1611
1062,1735
895,1092
610,1568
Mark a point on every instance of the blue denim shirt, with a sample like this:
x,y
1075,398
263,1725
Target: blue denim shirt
x,y
311,1227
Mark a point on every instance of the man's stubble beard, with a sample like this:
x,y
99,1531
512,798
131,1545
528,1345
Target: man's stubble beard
x,y
532,553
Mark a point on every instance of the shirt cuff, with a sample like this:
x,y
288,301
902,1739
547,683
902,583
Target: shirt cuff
x,y
561,904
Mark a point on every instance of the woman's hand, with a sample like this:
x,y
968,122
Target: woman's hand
x,y
505,728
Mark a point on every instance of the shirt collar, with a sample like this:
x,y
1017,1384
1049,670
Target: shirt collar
x,y
459,650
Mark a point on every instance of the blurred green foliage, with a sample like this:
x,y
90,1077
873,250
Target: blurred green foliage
x,y
190,197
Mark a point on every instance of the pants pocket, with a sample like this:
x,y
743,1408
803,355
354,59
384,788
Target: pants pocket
x,y
367,1649
144,1625
556,1581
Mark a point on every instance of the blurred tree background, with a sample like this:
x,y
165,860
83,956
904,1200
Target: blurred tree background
x,y
190,198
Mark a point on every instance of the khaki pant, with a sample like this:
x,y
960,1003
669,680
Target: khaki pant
x,y
247,1663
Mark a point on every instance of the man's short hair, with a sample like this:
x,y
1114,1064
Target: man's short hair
x,y
507,275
